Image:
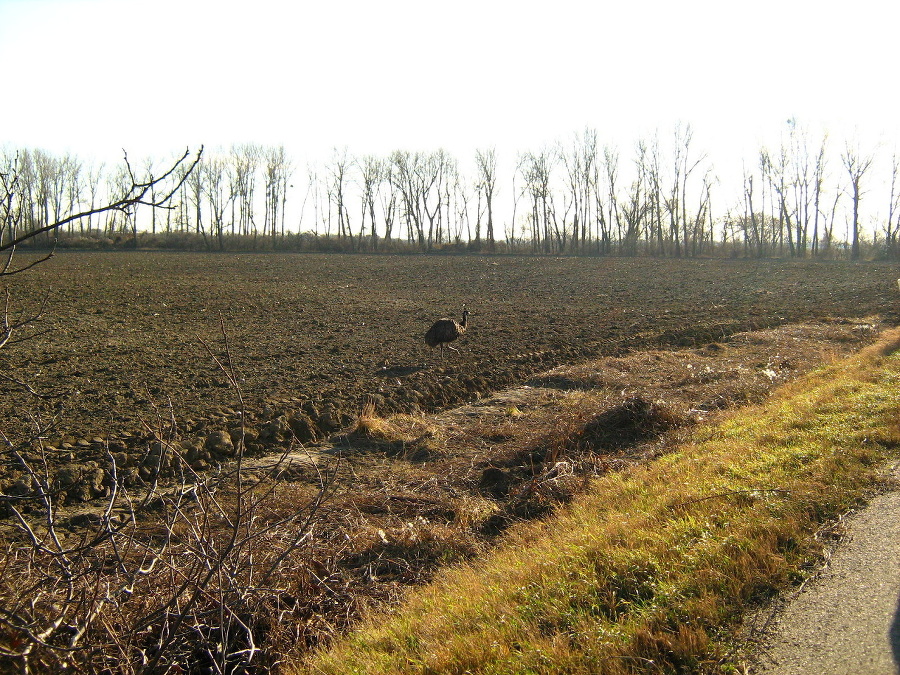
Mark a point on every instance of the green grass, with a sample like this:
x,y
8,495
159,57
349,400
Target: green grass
x,y
653,567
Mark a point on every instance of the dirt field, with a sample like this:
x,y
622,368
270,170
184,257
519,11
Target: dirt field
x,y
322,334
570,368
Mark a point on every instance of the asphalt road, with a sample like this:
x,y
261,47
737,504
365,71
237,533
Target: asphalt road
x,y
846,621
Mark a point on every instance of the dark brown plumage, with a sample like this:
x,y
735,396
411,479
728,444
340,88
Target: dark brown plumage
x,y
446,330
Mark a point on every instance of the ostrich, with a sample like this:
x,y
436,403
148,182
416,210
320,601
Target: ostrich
x,y
446,330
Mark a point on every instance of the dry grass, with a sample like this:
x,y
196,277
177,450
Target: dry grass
x,y
651,568
410,436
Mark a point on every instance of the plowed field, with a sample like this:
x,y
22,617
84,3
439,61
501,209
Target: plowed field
x,y
318,335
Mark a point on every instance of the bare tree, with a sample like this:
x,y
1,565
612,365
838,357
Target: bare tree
x,y
818,186
699,235
486,186
148,170
611,166
796,177
576,163
828,233
93,185
196,189
753,221
673,198
690,165
338,184
892,225
388,199
676,202
434,171
857,165
799,187
310,189
219,181
637,204
278,171
461,199
371,175
71,188
245,161
536,169
47,173
406,176
776,171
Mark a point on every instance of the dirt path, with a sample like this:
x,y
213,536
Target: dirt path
x,y
847,620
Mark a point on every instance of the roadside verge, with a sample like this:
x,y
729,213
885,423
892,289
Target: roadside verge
x,y
652,569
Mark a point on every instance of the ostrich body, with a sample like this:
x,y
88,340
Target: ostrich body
x,y
446,330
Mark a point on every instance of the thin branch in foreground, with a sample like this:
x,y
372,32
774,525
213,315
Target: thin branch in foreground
x,y
134,195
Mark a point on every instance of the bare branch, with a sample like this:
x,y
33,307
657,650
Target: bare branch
x,y
134,195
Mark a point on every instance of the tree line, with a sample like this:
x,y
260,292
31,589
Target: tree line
x,y
800,199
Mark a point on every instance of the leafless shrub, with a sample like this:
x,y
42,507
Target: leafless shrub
x,y
188,576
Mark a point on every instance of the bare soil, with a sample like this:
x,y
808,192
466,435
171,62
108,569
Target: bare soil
x,y
570,368
325,333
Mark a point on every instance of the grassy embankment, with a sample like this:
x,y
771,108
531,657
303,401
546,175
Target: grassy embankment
x,y
650,570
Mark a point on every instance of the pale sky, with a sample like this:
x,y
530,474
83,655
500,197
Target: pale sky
x,y
95,76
